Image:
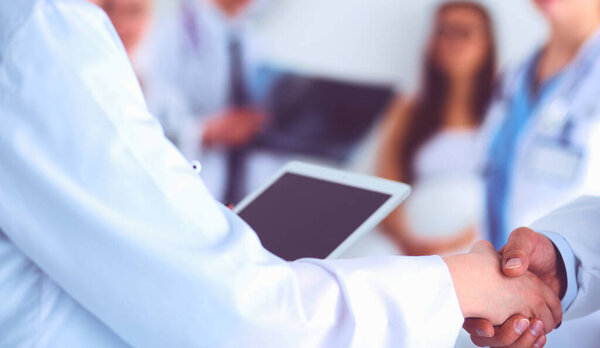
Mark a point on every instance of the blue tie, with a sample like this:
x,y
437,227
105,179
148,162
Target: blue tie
x,y
238,99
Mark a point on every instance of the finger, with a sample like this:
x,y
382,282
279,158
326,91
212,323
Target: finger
x,y
507,334
515,256
479,327
529,337
540,342
555,307
550,313
545,315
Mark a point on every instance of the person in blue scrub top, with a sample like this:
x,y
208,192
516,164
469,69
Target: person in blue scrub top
x,y
542,127
543,134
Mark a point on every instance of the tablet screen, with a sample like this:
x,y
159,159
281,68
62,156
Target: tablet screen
x,y
299,216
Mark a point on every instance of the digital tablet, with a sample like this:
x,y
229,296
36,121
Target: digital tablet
x,y
317,212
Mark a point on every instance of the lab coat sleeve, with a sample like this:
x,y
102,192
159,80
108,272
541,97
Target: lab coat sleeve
x,y
93,193
175,117
578,223
588,110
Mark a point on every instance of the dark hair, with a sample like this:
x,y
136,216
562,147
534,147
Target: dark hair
x,y
426,115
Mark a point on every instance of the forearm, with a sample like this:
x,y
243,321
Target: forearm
x,y
395,301
460,267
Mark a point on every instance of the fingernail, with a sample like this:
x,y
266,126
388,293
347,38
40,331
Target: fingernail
x,y
482,333
536,328
513,263
521,326
539,343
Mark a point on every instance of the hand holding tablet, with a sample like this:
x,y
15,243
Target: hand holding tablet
x,y
312,211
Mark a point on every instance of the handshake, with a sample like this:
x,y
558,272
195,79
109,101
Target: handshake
x,y
510,298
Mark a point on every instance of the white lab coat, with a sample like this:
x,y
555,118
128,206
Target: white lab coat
x,y
187,48
109,239
577,223
534,192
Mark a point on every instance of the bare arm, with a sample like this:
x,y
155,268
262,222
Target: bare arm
x,y
388,164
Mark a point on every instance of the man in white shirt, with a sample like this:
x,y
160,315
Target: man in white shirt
x,y
204,52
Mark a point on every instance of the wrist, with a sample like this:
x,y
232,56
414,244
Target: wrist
x,y
459,265
563,280
557,279
561,274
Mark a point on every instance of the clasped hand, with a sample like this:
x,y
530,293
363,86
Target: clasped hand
x,y
523,301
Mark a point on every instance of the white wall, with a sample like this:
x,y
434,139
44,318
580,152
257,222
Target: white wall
x,y
377,40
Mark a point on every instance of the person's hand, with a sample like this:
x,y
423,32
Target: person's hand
x,y
233,128
485,292
517,332
526,251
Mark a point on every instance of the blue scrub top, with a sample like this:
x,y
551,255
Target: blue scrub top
x,y
523,104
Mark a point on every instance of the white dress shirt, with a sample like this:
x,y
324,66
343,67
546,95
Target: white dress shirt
x,y
109,238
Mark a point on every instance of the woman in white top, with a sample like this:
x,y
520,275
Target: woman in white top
x,y
429,140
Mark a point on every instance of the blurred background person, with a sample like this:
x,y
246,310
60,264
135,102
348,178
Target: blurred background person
x,y
202,50
132,20
541,128
543,134
429,140
314,118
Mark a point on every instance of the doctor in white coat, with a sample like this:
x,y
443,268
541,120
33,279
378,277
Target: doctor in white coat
x,y
543,133
205,52
565,252
109,238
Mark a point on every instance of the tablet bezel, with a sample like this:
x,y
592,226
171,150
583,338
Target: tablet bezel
x,y
398,193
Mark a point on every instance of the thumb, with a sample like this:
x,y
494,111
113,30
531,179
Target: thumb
x,y
516,253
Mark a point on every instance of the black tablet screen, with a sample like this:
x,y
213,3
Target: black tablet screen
x,y
299,217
